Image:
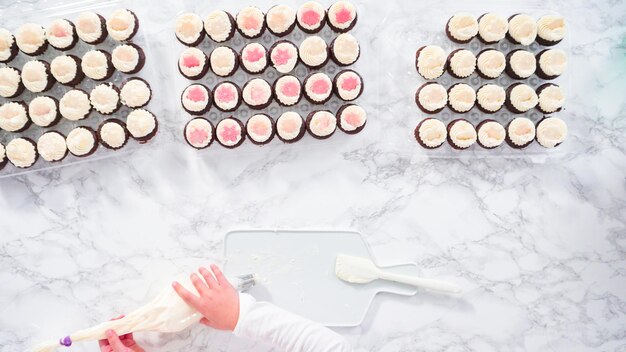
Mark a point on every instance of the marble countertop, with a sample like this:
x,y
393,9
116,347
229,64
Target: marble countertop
x,y
540,248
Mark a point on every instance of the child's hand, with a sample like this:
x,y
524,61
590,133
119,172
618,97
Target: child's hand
x,y
218,301
114,343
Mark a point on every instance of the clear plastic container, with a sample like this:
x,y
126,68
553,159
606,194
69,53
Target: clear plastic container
x,y
21,12
274,110
404,82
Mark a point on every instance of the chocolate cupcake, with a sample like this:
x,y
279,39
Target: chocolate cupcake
x,y
8,47
75,105
431,97
14,116
36,76
348,85
128,58
311,17
260,129
281,20
287,90
520,98
461,98
520,64
51,146
224,61
313,52
522,29
551,98
290,127
31,39
430,133
321,124
551,63
91,28
135,93
490,133
462,28
318,88
490,63
61,34
229,132
251,22
122,25
82,141
105,98
257,93
189,29
66,69
551,132
226,96
342,16
113,134
430,61
520,133
490,98
3,157
193,63
461,63
142,125
199,133
284,56
461,134
10,82
97,65
253,58
44,111
351,118
550,30
220,26
492,28
196,99
22,152
345,50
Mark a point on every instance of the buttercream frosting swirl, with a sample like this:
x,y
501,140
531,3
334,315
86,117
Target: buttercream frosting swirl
x,y
491,97
491,63
432,96
523,97
189,27
521,131
218,25
313,51
492,27
140,123
431,62
80,141
51,146
553,62
463,63
463,26
551,28
523,29
462,97
432,132
523,63
462,134
9,81
21,152
551,98
491,134
551,131
13,116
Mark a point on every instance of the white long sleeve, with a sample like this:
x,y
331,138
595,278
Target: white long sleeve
x,y
262,321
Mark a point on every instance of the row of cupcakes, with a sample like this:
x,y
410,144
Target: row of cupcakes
x,y
519,98
284,55
521,29
39,76
519,133
82,141
257,93
431,62
251,22
261,129
62,34
75,105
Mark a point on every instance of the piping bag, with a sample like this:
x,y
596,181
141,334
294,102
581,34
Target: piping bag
x,y
167,313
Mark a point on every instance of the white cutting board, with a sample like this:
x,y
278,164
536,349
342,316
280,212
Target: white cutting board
x,y
296,271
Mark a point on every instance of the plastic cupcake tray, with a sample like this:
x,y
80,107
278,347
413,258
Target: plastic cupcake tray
x,y
304,107
21,12
429,29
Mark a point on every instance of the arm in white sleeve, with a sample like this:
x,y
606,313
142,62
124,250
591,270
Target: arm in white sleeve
x,y
262,321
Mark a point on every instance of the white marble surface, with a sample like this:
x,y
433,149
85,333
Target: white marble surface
x,y
539,248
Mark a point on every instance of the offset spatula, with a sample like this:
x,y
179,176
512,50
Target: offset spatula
x,y
359,270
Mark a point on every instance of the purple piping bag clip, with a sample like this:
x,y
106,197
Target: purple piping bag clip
x,y
65,341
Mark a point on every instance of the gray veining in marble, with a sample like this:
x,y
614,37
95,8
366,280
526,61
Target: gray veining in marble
x,y
539,248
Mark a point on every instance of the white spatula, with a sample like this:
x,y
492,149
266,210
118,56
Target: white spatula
x,y
359,270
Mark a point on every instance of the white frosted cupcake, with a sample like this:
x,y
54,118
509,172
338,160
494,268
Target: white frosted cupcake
x,y
520,98
550,30
551,132
461,134
462,27
431,133
430,61
522,29
520,132
551,98
52,147
490,134
189,29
